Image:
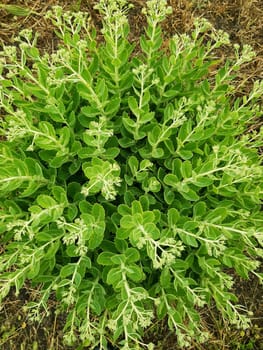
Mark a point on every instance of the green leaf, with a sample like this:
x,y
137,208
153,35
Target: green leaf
x,y
87,112
153,184
64,136
133,105
105,258
202,181
97,236
144,44
57,162
98,212
157,152
188,193
161,309
199,209
169,196
133,164
173,217
34,271
19,282
114,276
185,130
188,240
47,128
186,169
132,255
55,113
127,222
177,165
77,279
165,278
84,92
185,154
111,153
145,164
123,210
146,117
154,135
208,166
170,180
122,233
129,124
45,236
175,315
45,201
135,273
217,215
102,90
52,250
136,208
120,245
67,270
118,259
25,174
17,10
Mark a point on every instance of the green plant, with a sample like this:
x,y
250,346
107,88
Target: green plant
x,y
128,184
17,10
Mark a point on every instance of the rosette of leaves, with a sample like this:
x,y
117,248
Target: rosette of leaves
x,y
129,187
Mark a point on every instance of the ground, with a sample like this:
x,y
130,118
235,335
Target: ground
x,y
242,19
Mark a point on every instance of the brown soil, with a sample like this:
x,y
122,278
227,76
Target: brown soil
x,y
242,19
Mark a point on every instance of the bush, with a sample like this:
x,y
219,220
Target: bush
x,y
129,187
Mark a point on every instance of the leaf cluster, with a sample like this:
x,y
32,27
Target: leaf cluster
x,y
128,186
